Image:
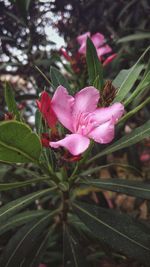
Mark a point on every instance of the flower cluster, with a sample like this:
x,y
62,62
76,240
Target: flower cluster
x,y
100,44
81,116
78,62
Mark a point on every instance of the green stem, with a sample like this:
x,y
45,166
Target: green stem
x,y
74,175
49,172
44,76
135,110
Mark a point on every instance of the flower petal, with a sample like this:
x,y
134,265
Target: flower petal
x,y
109,59
82,38
86,100
75,143
62,104
103,50
98,39
104,133
82,49
45,107
102,115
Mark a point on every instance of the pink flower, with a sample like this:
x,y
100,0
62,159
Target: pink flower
x,y
44,105
81,116
145,156
109,59
98,41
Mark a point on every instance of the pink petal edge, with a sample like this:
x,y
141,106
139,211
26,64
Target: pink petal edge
x,y
62,104
102,115
75,143
104,50
104,133
98,39
82,38
86,100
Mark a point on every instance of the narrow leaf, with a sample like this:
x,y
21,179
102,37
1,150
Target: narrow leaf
x,y
10,186
21,219
122,75
128,82
119,231
38,122
130,79
132,188
132,138
145,82
95,69
39,250
134,37
72,256
98,168
24,241
18,144
10,101
135,110
16,205
58,79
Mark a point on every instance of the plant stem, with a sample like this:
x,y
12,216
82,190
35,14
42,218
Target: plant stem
x,y
65,207
135,110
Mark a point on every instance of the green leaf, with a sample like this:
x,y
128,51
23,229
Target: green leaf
x,y
21,219
130,78
135,110
10,101
16,205
132,138
95,69
10,186
22,243
18,144
98,168
134,37
96,82
145,83
35,258
132,188
58,79
119,231
72,256
38,122
128,82
121,77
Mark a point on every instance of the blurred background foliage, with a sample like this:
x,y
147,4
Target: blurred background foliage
x,y
24,42
27,41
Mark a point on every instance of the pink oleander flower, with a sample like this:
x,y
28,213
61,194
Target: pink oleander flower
x,y
45,107
109,59
81,116
99,43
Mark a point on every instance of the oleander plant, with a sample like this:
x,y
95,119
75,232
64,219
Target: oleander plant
x,y
57,211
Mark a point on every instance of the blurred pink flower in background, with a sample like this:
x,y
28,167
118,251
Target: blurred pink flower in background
x,y
42,265
145,156
99,43
80,115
